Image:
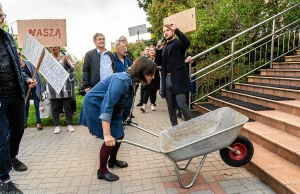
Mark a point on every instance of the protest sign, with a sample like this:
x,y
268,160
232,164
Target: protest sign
x,y
185,20
48,32
51,70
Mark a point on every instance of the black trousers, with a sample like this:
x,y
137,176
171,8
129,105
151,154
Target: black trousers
x,y
55,109
15,116
142,93
149,92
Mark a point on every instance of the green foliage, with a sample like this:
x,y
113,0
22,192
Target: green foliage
x,y
144,4
136,49
218,20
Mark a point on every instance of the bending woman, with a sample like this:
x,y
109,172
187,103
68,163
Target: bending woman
x,y
102,111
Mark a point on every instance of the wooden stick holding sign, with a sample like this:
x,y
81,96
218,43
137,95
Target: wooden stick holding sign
x,y
35,72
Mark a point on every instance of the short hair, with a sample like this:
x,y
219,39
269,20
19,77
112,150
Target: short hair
x,y
96,35
119,44
122,37
141,67
152,46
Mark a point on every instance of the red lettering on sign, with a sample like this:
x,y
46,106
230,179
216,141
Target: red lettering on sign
x,y
39,33
46,32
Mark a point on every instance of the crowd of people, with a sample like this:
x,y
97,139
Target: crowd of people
x,y
110,82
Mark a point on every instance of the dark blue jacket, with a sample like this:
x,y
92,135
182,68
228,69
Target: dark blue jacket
x,y
120,67
181,83
12,49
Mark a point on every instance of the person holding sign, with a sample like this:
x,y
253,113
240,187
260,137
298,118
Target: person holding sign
x,y
64,96
175,81
28,68
102,109
12,94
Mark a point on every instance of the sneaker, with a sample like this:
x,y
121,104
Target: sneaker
x,y
140,104
143,108
9,187
70,128
152,107
56,130
18,165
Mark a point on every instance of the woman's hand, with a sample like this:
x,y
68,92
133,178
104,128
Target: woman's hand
x,y
109,140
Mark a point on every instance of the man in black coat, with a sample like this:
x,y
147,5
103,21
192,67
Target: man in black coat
x,y
175,81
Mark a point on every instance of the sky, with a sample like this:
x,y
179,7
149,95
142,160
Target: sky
x,y
83,18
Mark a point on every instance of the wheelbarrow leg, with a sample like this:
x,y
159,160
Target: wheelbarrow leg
x,y
176,167
184,167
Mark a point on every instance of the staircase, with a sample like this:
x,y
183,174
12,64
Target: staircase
x,y
272,102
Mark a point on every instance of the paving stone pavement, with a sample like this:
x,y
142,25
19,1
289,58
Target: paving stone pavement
x,y
68,163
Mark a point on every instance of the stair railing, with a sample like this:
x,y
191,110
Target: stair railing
x,y
248,59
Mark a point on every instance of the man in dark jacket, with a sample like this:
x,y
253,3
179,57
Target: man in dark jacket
x,y
12,95
175,81
98,63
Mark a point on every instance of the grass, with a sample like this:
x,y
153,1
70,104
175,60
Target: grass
x,y
48,121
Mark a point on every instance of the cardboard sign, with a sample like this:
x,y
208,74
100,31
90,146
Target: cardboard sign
x,y
49,33
185,20
51,69
136,30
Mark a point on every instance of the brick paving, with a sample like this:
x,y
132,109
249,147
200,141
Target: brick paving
x,y
67,163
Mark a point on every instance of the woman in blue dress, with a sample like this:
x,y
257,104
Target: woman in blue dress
x,y
103,107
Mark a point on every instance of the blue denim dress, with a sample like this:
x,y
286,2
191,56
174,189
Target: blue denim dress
x,y
106,101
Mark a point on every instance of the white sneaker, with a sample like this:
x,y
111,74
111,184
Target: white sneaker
x,y
56,130
70,128
143,108
152,107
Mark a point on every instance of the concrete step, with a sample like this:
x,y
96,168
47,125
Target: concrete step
x,y
287,106
283,144
286,65
295,94
279,174
298,52
280,72
283,121
292,58
275,80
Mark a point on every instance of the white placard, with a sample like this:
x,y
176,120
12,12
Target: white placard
x,y
137,30
51,69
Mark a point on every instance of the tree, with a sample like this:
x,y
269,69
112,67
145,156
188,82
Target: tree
x,y
144,4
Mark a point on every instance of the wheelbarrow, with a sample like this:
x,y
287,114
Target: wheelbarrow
x,y
216,130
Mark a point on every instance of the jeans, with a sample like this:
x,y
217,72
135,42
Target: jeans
x,y
11,131
171,103
36,101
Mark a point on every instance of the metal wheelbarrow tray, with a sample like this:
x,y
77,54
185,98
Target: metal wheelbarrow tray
x,y
216,130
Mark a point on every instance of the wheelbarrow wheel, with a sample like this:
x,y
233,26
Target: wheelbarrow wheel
x,y
242,144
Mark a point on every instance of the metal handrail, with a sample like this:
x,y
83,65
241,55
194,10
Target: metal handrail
x,y
235,52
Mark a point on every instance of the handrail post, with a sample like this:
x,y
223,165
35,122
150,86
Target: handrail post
x,y
190,93
232,63
272,43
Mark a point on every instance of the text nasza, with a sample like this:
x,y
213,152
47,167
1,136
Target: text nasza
x,y
47,32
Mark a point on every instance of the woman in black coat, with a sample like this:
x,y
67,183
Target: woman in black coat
x,y
151,89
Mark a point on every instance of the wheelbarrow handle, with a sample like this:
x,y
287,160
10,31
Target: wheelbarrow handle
x,y
138,145
145,130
